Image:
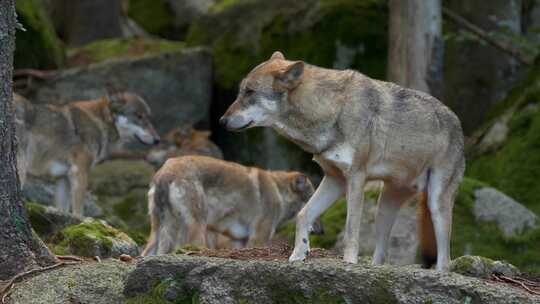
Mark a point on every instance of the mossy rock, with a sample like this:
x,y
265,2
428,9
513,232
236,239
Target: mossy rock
x,y
481,267
94,238
469,235
37,47
107,49
47,221
154,16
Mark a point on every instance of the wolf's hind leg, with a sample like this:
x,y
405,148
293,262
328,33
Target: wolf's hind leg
x,y
390,201
155,224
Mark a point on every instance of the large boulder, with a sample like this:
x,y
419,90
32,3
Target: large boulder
x,y
96,283
184,279
511,217
37,46
481,267
47,221
177,84
242,34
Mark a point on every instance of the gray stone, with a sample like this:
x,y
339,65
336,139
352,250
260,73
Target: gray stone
x,y
96,283
403,242
177,85
511,217
211,280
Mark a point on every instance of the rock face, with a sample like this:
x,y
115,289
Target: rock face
x,y
210,280
96,283
511,217
177,85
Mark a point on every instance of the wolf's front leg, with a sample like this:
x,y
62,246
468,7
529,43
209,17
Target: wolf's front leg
x,y
78,180
330,189
355,206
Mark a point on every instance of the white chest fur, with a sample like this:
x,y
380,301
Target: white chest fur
x,y
341,156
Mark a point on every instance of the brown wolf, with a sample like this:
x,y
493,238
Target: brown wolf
x,y
62,143
360,129
197,199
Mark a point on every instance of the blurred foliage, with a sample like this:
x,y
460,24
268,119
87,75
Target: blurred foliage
x,y
38,46
121,47
515,167
155,16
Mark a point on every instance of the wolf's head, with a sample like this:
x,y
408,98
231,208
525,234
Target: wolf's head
x,y
263,94
296,189
131,115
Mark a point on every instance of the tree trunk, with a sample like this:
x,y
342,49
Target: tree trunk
x,y
20,248
415,54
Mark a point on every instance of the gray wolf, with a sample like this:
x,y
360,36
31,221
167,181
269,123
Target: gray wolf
x,y
360,129
63,143
197,199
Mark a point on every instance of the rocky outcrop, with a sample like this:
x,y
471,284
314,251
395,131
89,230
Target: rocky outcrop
x,y
177,84
96,283
210,280
510,216
47,221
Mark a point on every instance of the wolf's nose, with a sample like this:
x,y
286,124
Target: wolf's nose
x,y
157,140
223,121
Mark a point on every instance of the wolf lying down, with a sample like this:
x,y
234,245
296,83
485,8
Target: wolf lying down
x,y
198,200
360,129
62,143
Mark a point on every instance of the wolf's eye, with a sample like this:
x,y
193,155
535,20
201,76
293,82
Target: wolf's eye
x,y
249,92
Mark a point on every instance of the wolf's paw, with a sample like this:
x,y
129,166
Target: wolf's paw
x,y
298,255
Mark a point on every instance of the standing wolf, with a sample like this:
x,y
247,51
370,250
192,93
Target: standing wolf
x,y
62,143
361,129
198,199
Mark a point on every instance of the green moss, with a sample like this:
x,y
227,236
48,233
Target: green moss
x,y
154,16
38,47
305,30
222,5
84,238
156,294
120,48
118,177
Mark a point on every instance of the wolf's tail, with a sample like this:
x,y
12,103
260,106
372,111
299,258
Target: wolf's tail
x,y
426,234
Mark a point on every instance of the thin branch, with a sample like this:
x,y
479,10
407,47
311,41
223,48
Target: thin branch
x,y
480,33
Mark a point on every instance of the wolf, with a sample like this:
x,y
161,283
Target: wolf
x,y
360,129
63,143
182,141
198,199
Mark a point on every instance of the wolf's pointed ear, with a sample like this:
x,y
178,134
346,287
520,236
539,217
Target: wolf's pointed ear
x,y
300,183
277,55
290,77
